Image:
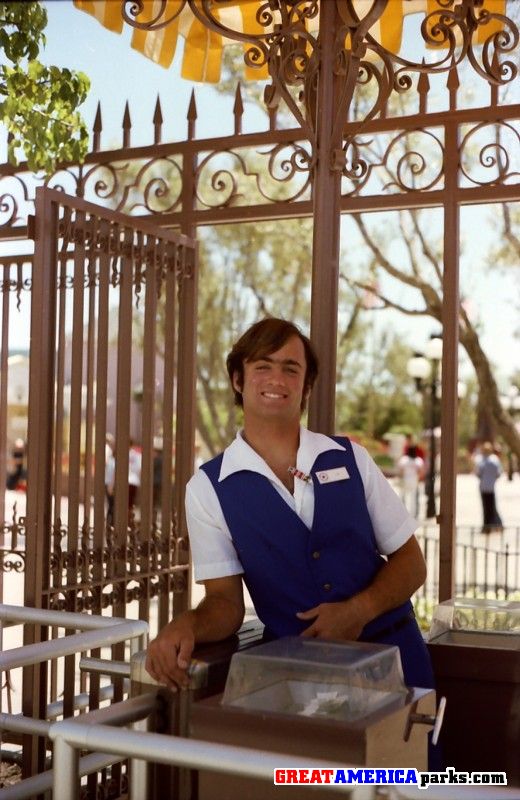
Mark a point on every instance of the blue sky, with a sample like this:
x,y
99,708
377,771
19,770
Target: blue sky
x,y
118,73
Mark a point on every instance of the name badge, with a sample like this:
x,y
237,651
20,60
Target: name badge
x,y
332,475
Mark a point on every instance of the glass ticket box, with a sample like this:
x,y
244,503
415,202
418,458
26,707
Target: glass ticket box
x,y
311,678
345,703
475,649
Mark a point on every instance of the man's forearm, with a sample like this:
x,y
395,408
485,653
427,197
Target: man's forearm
x,y
396,581
216,617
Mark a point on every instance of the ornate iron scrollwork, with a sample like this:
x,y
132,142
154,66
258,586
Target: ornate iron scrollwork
x,y
496,143
292,52
12,561
233,177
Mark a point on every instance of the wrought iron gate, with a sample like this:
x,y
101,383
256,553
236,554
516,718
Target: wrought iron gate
x,y
112,322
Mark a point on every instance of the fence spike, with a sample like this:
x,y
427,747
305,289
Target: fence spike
x,y
127,126
238,109
423,88
453,84
493,87
157,121
271,102
96,129
192,115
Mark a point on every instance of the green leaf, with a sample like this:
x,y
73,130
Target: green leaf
x,y
40,105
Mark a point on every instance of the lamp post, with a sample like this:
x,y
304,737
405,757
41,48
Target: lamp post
x,y
421,368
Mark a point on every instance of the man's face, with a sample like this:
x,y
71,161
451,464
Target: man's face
x,y
273,385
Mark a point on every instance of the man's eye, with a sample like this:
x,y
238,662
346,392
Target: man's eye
x,y
262,366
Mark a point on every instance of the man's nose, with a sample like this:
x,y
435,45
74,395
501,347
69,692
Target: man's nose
x,y
277,374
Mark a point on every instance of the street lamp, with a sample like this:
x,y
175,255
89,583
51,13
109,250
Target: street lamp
x,y
420,368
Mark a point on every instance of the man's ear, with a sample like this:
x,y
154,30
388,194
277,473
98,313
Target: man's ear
x,y
237,386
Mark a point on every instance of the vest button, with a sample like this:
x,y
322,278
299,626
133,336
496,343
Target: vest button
x,y
327,587
316,554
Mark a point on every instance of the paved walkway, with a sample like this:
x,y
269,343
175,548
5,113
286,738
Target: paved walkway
x,y
469,511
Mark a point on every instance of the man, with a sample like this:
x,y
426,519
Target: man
x,y
411,472
489,469
301,517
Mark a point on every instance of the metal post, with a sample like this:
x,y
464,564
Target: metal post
x,y
139,769
326,215
431,510
450,362
65,785
39,457
185,410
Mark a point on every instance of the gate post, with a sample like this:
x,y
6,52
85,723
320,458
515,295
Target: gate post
x,y
39,459
326,230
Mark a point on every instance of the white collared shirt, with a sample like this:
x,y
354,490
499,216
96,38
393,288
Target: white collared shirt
x,y
213,552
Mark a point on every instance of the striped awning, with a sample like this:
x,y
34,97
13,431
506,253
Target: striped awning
x,y
203,47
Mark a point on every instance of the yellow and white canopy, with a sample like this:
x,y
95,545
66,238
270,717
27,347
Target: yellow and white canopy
x,y
203,47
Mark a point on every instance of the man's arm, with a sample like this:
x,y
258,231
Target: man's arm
x,y
395,582
218,615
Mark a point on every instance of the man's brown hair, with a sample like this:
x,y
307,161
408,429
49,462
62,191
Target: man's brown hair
x,y
262,339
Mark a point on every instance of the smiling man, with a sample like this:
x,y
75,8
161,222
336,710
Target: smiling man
x,y
307,521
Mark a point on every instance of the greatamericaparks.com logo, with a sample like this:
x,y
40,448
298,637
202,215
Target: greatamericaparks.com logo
x,y
287,776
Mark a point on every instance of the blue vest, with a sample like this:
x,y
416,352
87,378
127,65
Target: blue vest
x,y
288,568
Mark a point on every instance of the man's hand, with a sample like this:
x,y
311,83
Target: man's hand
x,y
343,620
395,583
217,616
169,655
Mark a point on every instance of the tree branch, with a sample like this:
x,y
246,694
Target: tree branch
x,y
511,238
431,298
382,260
424,245
387,303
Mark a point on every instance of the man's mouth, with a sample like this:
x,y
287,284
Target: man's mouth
x,y
273,395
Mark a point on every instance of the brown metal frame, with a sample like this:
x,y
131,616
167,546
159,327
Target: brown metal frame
x,y
325,69
83,253
327,158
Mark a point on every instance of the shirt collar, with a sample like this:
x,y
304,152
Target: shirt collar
x,y
240,455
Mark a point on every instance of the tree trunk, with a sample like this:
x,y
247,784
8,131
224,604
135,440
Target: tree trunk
x,y
489,395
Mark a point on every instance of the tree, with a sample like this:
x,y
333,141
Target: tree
x,y
423,273
382,399
38,103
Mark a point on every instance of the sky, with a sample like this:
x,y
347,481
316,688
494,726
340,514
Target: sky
x,y
119,73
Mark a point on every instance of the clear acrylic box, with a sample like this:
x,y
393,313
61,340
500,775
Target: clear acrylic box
x,y
314,678
477,622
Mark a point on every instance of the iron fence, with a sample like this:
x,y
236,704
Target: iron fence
x,y
485,566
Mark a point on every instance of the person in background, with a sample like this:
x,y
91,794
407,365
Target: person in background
x,y
411,472
412,445
134,474
17,474
488,468
157,471
110,476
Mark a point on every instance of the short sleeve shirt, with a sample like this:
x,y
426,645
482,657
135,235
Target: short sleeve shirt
x,y
213,552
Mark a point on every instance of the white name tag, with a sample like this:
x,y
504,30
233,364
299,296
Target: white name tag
x,y
331,475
